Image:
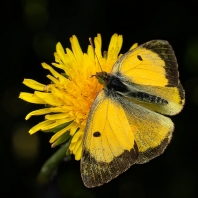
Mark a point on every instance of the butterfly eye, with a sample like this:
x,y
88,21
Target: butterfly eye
x,y
139,57
97,134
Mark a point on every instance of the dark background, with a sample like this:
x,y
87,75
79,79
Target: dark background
x,y
30,30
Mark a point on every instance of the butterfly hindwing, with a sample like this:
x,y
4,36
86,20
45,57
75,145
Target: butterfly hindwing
x,y
153,131
173,97
109,147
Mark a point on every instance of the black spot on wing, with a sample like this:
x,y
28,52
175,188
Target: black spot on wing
x,y
165,52
139,57
97,134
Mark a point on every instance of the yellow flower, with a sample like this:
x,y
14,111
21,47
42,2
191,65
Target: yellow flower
x,y
70,95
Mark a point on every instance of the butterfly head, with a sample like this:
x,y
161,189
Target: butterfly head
x,y
102,77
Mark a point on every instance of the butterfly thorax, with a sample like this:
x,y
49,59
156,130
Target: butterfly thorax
x,y
110,81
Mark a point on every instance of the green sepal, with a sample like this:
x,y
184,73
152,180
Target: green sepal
x,y
68,151
65,75
63,138
105,54
58,128
51,164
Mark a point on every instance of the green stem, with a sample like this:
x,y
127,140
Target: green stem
x,y
50,165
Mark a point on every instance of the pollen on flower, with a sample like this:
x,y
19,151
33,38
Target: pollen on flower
x,y
69,96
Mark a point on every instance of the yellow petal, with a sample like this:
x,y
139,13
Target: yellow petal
x,y
112,44
70,54
38,112
115,46
56,123
33,84
77,136
43,111
76,48
98,45
58,93
59,133
71,147
133,46
60,52
55,74
63,138
90,52
119,45
73,129
78,154
49,98
57,57
56,116
78,143
60,66
54,80
39,126
31,98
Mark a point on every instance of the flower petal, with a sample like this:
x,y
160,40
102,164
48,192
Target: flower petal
x,y
56,123
42,112
54,80
77,136
73,129
59,133
63,138
113,43
76,48
39,126
133,46
56,116
60,52
78,142
33,84
55,74
98,45
90,52
31,98
78,154
76,145
115,46
119,44
49,98
71,93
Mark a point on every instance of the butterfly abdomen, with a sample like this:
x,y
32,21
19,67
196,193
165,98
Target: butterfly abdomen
x,y
145,97
113,84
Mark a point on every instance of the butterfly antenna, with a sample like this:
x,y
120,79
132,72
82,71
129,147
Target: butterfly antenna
x,y
92,45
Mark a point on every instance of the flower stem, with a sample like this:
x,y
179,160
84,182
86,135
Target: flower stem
x,y
50,165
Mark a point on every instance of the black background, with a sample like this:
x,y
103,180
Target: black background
x,y
30,30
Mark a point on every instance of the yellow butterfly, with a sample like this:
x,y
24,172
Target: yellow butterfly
x,y
125,125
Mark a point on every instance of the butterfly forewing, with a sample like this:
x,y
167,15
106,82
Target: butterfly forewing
x,y
109,147
151,68
153,63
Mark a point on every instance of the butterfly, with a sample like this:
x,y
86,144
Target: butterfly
x,y
127,123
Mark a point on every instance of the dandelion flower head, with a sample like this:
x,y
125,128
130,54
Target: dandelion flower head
x,y
69,95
